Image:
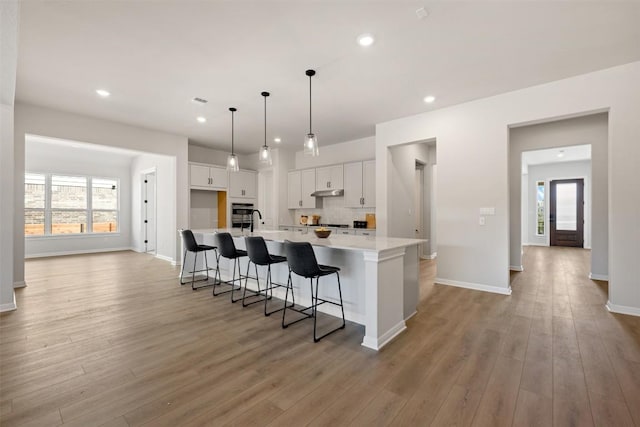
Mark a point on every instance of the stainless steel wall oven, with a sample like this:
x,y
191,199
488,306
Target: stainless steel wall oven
x,y
241,214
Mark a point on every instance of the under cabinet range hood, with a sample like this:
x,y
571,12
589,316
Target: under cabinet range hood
x,y
328,193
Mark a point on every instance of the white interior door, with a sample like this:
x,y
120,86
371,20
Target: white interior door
x,y
149,211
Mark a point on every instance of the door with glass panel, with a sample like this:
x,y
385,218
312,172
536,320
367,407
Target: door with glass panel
x,y
566,216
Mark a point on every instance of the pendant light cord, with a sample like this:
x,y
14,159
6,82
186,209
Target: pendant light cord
x,y
232,132
310,132
265,120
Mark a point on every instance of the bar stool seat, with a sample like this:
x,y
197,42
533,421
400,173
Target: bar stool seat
x,y
259,255
227,249
191,245
302,261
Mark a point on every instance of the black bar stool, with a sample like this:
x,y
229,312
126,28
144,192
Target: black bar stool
x,y
227,249
259,255
302,261
190,245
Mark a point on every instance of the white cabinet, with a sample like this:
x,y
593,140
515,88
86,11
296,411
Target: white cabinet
x,y
330,178
360,184
344,231
202,177
365,232
300,185
242,184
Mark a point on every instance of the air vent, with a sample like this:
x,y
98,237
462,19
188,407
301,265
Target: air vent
x,y
200,100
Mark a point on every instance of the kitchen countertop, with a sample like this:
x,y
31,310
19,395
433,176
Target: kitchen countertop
x,y
338,228
350,242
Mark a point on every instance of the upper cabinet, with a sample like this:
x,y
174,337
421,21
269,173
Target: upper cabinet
x,y
203,177
330,178
360,184
243,184
300,185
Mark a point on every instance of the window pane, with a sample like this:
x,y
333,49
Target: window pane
x,y
105,194
66,222
105,221
566,206
33,222
68,192
34,190
540,208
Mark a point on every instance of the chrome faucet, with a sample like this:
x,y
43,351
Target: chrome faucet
x,y
259,215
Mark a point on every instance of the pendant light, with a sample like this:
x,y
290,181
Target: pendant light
x,y
232,159
265,151
310,142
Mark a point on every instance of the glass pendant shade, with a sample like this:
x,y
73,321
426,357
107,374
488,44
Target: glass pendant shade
x,y
265,155
232,163
311,145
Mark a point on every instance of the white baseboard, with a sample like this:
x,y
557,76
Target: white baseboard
x,y
9,306
535,244
78,252
604,277
474,286
623,309
20,284
166,258
384,339
516,268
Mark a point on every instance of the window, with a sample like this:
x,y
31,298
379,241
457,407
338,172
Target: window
x,y
540,208
34,204
60,204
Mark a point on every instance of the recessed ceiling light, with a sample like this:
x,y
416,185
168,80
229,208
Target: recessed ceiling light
x,y
366,39
561,153
201,119
277,140
103,93
429,99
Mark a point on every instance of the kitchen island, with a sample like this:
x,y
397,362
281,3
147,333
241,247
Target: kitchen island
x,y
379,276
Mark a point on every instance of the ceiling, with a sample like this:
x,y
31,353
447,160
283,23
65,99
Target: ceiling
x,y
155,56
572,153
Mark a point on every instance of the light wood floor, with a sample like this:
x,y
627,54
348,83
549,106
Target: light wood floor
x,y
112,339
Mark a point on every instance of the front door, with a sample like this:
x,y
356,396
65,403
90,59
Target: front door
x,y
566,216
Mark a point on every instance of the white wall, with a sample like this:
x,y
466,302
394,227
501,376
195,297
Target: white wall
x,y
473,153
63,159
9,17
588,129
166,230
218,157
552,171
402,190
30,119
344,152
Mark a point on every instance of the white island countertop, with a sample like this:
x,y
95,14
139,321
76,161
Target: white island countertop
x,y
350,242
379,276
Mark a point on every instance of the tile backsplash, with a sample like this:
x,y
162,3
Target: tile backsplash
x,y
334,212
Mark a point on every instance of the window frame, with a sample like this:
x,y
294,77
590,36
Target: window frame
x,y
48,210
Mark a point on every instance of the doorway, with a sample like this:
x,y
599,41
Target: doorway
x,y
149,211
566,214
